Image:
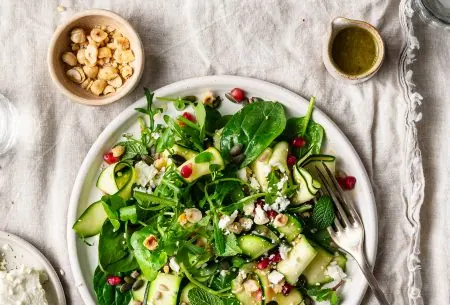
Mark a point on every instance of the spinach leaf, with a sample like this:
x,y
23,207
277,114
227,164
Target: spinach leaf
x,y
113,253
213,120
255,126
149,261
107,294
112,205
198,296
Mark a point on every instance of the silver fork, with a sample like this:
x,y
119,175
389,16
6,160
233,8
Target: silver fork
x,y
348,230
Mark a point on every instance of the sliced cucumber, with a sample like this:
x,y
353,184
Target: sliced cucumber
x,y
117,178
298,259
164,289
279,157
91,221
184,299
292,229
138,294
203,168
261,168
293,298
266,232
341,260
305,191
315,273
254,245
182,151
312,185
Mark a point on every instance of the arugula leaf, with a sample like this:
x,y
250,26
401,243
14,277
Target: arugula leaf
x,y
167,140
255,126
231,246
149,110
325,294
107,294
323,213
180,103
204,157
199,296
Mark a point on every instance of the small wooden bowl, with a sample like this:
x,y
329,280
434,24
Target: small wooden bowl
x,y
60,43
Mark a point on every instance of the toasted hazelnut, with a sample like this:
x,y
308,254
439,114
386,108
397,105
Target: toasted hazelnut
x,y
86,83
126,71
75,46
91,53
81,56
122,42
109,89
118,151
210,100
110,29
246,223
108,73
77,35
69,59
76,75
166,269
116,83
182,219
235,227
91,71
98,86
151,242
112,46
193,215
280,220
250,286
123,56
98,35
104,52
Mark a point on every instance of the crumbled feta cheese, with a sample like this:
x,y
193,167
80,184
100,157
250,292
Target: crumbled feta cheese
x,y
173,264
223,273
249,208
155,135
280,204
266,169
242,274
336,272
246,223
275,277
266,207
260,216
254,183
226,220
282,181
145,174
143,189
284,250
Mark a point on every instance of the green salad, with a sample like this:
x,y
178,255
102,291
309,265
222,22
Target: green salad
x,y
205,208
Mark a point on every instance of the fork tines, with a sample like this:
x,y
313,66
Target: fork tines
x,y
346,213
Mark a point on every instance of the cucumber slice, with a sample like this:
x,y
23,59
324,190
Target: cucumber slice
x,y
298,259
266,232
292,229
341,260
117,178
304,193
184,299
91,221
316,158
254,245
176,149
261,168
138,295
315,273
312,185
164,290
279,157
293,298
203,168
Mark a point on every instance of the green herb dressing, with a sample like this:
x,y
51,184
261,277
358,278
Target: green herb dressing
x,y
354,51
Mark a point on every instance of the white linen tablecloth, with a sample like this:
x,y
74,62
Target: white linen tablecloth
x,y
278,41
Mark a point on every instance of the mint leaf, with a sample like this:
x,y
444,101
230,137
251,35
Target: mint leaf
x,y
323,213
231,246
199,296
219,238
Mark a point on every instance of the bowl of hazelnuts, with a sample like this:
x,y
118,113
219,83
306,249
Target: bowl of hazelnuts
x,y
96,57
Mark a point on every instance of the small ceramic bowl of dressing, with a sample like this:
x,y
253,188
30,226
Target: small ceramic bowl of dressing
x,y
353,51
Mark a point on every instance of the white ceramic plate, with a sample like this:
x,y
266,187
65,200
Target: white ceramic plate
x,y
20,252
83,259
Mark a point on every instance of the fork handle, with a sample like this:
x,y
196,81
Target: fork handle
x,y
367,271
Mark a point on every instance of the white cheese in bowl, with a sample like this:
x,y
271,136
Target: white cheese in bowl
x,y
22,286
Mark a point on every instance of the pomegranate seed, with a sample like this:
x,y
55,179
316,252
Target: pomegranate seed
x,y
275,258
263,263
238,94
258,295
186,171
272,214
298,142
109,158
189,116
113,280
291,160
347,183
286,289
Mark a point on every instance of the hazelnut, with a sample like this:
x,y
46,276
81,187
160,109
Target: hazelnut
x,y
126,71
81,56
90,71
69,59
182,219
280,220
90,54
98,86
104,52
235,227
108,73
193,215
77,35
116,82
250,286
98,35
76,75
151,242
108,89
160,163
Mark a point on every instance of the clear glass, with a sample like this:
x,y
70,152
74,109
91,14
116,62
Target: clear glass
x,y
8,117
435,12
